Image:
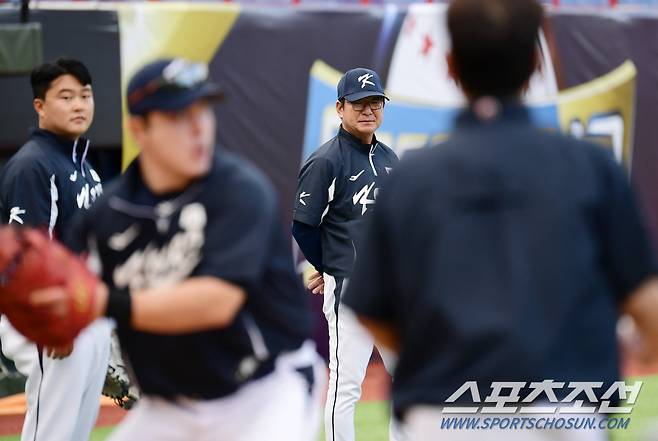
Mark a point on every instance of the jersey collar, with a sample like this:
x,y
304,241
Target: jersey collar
x,y
356,142
67,146
128,187
490,110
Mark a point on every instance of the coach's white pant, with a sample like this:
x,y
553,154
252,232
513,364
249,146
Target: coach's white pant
x,y
277,407
63,396
423,423
350,348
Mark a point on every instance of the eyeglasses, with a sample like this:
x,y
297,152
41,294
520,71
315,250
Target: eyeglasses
x,y
374,105
180,74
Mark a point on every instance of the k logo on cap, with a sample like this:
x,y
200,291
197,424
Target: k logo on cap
x,y
360,83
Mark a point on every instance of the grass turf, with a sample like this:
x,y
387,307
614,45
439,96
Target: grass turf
x,y
99,434
372,418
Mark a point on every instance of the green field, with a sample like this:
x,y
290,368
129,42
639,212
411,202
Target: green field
x,y
97,435
372,419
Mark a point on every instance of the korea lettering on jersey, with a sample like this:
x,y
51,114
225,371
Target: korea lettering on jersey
x,y
44,185
141,241
316,191
86,196
164,265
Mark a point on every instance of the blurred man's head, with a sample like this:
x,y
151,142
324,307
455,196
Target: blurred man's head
x,y
63,97
493,45
172,120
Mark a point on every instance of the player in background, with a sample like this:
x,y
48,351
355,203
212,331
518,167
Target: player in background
x,y
506,253
44,184
336,191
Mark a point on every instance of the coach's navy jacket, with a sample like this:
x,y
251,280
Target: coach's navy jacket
x,y
47,182
336,191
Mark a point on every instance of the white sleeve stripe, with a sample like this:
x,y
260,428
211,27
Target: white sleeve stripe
x,y
331,191
54,196
256,337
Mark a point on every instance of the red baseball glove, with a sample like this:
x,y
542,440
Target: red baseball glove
x,y
30,262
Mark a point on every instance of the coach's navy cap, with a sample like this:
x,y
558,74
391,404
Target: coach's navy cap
x,y
170,85
360,83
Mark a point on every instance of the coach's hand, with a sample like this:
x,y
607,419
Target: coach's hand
x,y
316,283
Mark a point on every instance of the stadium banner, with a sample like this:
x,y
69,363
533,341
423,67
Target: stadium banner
x,y
189,30
278,67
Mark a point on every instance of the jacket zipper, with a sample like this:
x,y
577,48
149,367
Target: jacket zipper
x,y
370,156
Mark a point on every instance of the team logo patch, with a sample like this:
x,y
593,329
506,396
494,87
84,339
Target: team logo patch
x,y
364,80
356,176
15,215
303,195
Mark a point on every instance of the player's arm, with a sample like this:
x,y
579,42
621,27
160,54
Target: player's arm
x,y
314,191
31,200
315,188
30,196
309,239
627,256
196,304
642,306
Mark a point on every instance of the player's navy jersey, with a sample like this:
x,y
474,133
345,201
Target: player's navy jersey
x,y
336,190
47,181
501,255
225,225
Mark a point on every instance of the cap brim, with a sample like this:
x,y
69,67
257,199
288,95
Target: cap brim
x,y
365,94
179,99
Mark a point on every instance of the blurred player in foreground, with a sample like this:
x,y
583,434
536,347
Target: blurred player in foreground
x,y
200,278
506,253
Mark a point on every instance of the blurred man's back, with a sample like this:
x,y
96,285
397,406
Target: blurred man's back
x,y
504,254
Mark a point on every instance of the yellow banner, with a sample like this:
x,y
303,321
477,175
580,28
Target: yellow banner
x,y
603,110
149,31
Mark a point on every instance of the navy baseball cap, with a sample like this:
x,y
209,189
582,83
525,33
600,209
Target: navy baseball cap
x,y
170,84
360,83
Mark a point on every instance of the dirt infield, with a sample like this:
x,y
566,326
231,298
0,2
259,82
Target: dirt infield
x,y
12,412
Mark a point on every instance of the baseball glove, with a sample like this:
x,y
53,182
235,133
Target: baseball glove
x,y
29,261
118,384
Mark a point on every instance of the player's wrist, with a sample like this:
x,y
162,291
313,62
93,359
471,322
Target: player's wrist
x,y
119,306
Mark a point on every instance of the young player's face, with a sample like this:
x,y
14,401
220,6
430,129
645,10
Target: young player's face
x,y
179,144
67,109
360,118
